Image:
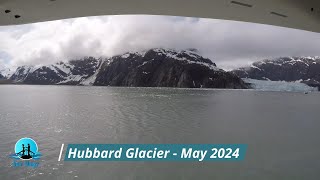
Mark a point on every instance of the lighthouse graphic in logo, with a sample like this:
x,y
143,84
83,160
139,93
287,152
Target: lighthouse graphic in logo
x,y
26,149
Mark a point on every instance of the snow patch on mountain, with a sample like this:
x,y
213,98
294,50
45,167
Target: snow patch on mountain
x,y
90,81
71,78
190,56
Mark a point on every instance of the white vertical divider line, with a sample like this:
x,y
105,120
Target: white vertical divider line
x,y
62,145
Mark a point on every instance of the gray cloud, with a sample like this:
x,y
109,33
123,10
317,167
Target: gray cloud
x,y
228,43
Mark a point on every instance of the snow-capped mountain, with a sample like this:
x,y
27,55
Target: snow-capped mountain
x,y
6,72
291,69
72,72
165,68
152,68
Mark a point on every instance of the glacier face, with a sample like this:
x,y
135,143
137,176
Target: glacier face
x,y
265,85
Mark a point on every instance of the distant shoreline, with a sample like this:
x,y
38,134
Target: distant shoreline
x,y
177,88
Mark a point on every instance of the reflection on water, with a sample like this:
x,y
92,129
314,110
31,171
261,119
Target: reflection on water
x,y
281,130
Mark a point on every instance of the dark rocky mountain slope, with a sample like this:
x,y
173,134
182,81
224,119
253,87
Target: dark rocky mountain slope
x,y
165,68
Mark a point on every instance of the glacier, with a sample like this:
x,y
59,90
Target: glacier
x,y
265,85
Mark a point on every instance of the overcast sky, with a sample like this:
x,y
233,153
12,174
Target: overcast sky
x,y
229,44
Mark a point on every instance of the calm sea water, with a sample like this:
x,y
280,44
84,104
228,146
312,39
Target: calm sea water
x,y
282,130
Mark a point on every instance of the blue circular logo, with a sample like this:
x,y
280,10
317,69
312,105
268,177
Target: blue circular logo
x,y
26,149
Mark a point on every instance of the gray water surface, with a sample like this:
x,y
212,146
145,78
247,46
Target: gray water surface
x,y
282,130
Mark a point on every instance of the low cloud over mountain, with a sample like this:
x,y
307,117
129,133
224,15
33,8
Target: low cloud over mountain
x,y
229,44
